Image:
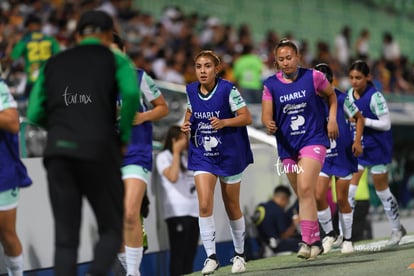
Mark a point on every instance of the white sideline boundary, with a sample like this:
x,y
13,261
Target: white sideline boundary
x,y
381,244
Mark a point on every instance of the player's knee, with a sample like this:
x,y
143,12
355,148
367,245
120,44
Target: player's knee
x,y
205,210
342,202
131,218
320,197
306,192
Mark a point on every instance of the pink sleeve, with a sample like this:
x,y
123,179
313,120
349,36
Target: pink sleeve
x,y
267,96
319,81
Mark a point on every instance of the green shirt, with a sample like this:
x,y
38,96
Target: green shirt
x,y
247,71
36,48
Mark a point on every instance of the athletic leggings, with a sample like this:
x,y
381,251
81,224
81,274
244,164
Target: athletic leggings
x,y
183,233
100,183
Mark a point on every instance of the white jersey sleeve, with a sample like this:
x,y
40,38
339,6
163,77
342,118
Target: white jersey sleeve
x,y
378,104
379,107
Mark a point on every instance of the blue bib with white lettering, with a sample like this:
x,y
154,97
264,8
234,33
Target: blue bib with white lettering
x,y
340,161
298,113
139,151
13,172
223,152
377,144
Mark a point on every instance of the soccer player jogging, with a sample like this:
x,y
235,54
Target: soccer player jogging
x,y
377,144
137,166
216,120
340,162
292,110
13,176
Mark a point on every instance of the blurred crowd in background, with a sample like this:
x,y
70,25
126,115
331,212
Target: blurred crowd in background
x,y
165,47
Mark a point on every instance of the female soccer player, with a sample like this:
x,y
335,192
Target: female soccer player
x,y
377,144
219,148
137,166
340,162
293,110
13,176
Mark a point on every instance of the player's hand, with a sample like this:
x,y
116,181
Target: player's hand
x,y
357,148
271,127
138,119
333,132
186,127
216,123
124,148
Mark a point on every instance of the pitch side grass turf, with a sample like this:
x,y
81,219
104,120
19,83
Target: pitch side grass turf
x,y
370,258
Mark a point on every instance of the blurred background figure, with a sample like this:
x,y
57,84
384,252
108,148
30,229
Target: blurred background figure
x,y
247,71
391,53
179,200
36,48
362,45
277,224
342,51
